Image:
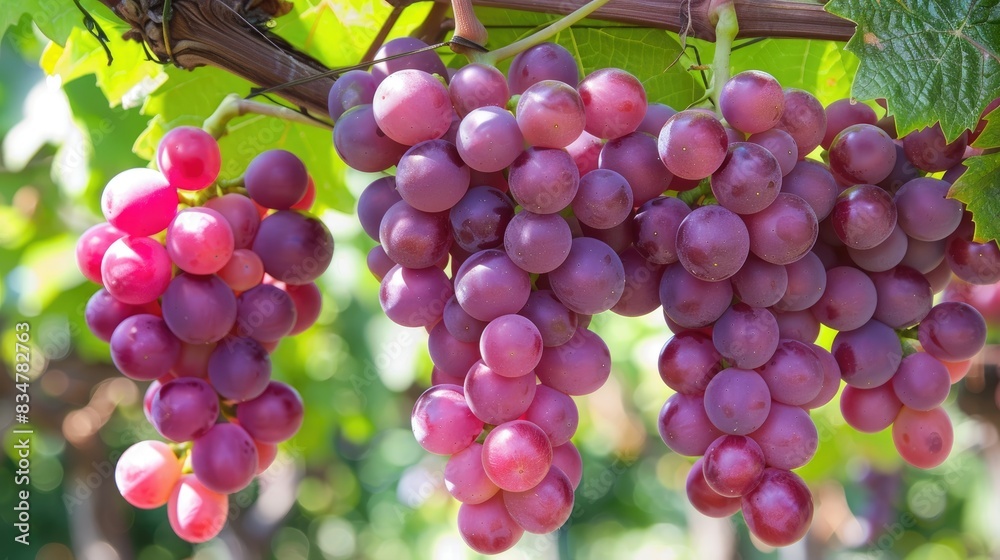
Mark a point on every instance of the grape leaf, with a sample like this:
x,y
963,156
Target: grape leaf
x,y
979,189
54,18
932,61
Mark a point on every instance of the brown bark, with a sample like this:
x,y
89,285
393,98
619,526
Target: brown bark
x,y
231,35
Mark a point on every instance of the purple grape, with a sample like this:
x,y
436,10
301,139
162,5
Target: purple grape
x,y
411,106
273,416
544,61
863,216
412,238
184,408
636,158
690,302
362,144
904,297
922,382
862,153
733,465
265,313
431,176
296,248
494,398
550,114
737,401
684,426
788,437
883,256
781,145
449,354
746,336
692,144
794,373
414,297
199,309
688,361
603,200
461,325
760,283
655,228
641,294
544,180
779,510
869,410
806,283
784,231
239,368
489,284
555,413
104,313
712,243
442,422
867,356
225,458
425,60
952,331
488,139
812,181
748,180
849,299
928,150
924,210
752,101
477,85
591,279
804,118
843,113
578,367
276,179
614,102
555,322
352,88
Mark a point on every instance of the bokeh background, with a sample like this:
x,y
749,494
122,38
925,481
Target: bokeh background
x,y
353,483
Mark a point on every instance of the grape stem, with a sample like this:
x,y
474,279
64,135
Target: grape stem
x,y
726,30
233,106
491,58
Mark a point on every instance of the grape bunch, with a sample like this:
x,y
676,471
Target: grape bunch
x,y
511,209
194,298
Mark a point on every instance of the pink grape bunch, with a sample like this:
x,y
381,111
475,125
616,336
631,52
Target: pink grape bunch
x,y
194,299
514,208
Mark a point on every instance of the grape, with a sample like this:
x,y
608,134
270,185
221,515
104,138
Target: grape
x,y
862,153
411,106
544,61
849,299
295,248
635,157
788,437
733,465
147,473
555,413
104,313
688,361
143,348
952,331
883,256
578,367
690,302
760,283
517,455
976,263
585,151
273,416
480,218
487,527
276,179
136,270
511,346
614,102
566,458
545,507
451,356
239,368
831,378
692,144
139,202
465,478
958,370
655,226
538,243
806,283
462,326
904,297
412,238
924,256
657,115
442,421
225,458
199,241
240,212
193,360
752,101
712,243
489,284
869,410
928,150
196,513
475,86
923,438
746,336
550,114
591,279
703,498
867,356
748,180
361,142
189,158
184,408
780,145
431,177
489,139
544,180
554,321
737,401
812,181
266,454
924,210
921,382
902,172
352,88
843,113
779,510
784,231
242,271
603,200
199,309
414,297
804,118
797,325
308,302
641,294
425,60
863,216
494,398
91,248
794,373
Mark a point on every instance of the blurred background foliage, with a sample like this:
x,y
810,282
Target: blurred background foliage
x,y
353,483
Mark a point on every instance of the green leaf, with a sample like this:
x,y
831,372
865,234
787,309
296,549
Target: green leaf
x,y
990,137
54,18
933,61
822,68
979,189
188,98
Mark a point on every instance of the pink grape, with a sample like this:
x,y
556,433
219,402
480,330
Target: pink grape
x,y
147,473
139,201
196,513
189,158
200,241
